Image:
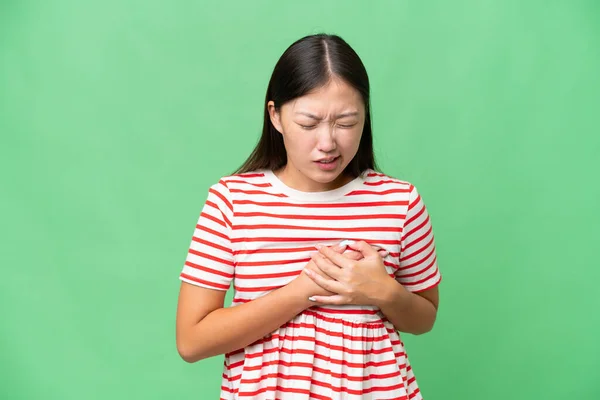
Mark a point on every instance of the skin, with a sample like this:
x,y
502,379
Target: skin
x,y
329,122
325,123
363,280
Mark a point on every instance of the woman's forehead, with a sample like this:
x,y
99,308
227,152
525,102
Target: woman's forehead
x,y
320,105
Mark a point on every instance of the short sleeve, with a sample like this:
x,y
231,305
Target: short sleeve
x,y
418,268
209,262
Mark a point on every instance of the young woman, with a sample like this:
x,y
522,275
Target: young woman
x,y
330,259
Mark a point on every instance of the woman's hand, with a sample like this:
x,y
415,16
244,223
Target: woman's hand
x,y
356,277
341,248
306,286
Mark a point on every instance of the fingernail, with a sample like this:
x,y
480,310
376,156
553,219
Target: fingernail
x,y
311,298
318,246
346,243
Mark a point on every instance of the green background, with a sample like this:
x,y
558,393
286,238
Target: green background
x,y
116,116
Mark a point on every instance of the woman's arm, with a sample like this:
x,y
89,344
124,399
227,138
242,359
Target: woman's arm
x,y
409,312
205,329
365,281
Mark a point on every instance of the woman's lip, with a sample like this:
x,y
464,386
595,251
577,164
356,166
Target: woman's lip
x,y
328,159
328,166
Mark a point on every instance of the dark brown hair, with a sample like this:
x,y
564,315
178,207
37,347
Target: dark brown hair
x,y
310,63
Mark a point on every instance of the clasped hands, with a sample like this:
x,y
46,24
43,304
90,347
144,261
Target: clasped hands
x,y
355,277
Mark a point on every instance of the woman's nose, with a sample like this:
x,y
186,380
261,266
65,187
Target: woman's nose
x,y
325,139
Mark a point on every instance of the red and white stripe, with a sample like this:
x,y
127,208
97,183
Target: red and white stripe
x,y
254,229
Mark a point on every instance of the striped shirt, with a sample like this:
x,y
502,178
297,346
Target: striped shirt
x,y
259,233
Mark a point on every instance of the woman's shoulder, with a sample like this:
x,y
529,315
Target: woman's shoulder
x,y
378,178
256,178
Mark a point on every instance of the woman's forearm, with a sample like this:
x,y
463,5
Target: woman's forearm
x,y
407,311
228,329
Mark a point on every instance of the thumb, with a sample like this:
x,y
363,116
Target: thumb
x,y
339,248
353,255
365,248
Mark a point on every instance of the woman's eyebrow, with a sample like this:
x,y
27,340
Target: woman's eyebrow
x,y
348,114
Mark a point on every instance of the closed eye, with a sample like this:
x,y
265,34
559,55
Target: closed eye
x,y
309,127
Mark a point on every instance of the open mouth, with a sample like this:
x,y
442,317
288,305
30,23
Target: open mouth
x,y
328,163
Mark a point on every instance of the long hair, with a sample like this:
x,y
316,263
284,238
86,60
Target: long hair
x,y
309,63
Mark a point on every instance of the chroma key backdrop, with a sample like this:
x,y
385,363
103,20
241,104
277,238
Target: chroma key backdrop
x,y
117,116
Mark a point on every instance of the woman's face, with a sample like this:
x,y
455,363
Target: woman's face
x,y
321,132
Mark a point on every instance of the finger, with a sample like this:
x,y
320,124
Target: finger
x,y
327,266
327,284
339,248
337,259
383,253
335,299
353,255
366,249
311,266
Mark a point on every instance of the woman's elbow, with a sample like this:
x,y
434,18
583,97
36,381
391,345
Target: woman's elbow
x,y
425,328
186,356
187,353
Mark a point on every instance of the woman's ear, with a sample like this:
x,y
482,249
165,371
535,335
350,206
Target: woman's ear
x,y
275,116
